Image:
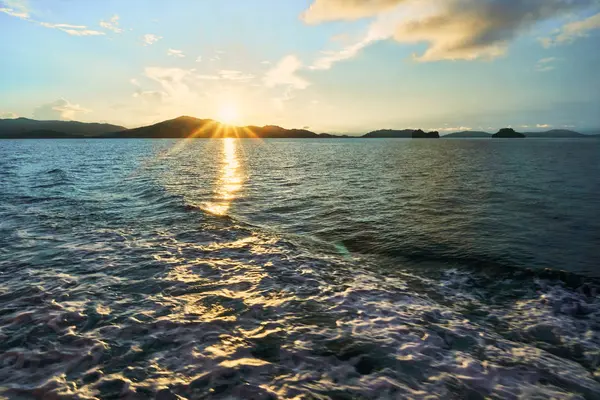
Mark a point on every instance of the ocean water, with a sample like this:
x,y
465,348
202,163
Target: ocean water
x,y
300,269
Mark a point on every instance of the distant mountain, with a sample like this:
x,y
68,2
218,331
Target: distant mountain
x,y
189,127
555,133
42,134
25,128
508,133
390,133
468,134
419,134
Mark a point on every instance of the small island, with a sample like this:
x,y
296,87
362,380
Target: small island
x,y
508,133
420,134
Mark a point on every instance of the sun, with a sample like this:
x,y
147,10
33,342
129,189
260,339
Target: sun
x,y
228,114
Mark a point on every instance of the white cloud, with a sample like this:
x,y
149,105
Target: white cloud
x,y
152,96
73,30
329,58
543,126
15,8
112,24
8,115
150,39
233,75
284,74
14,13
572,31
19,9
175,53
545,64
452,129
451,30
329,10
199,59
60,109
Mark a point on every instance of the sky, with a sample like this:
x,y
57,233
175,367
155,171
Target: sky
x,y
342,66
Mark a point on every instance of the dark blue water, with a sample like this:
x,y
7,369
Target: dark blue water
x,y
298,268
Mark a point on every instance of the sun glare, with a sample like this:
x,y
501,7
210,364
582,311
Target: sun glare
x,y
228,114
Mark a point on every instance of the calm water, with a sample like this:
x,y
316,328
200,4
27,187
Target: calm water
x,y
299,268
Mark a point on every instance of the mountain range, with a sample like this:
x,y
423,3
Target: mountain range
x,y
189,127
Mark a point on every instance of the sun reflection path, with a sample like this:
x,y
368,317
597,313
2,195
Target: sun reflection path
x,y
230,181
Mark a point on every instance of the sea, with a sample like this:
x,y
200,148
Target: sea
x,y
305,269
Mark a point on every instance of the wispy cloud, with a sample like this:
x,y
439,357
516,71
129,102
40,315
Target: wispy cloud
x,y
284,74
572,31
543,126
112,24
452,30
15,8
546,64
330,10
175,53
14,13
8,115
199,59
233,75
73,30
60,109
19,9
150,38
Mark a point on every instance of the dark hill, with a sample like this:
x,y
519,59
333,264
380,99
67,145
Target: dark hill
x,y
189,127
11,128
508,133
468,134
390,133
42,134
555,133
420,134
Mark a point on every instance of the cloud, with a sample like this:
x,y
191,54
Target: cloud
x,y
153,96
573,31
543,126
60,109
451,29
329,58
172,80
452,129
199,59
18,9
545,64
112,24
14,13
233,75
8,115
329,10
15,8
284,74
73,30
175,53
150,39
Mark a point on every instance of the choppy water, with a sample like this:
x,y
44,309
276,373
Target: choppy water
x,y
307,269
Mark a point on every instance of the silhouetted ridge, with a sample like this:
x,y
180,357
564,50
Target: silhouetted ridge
x,y
30,128
555,133
468,134
189,127
420,134
390,133
508,133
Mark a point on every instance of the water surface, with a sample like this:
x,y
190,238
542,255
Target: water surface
x,y
299,268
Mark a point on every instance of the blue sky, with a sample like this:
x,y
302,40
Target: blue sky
x,y
330,65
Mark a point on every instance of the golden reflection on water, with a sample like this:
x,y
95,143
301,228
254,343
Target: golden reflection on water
x,y
230,181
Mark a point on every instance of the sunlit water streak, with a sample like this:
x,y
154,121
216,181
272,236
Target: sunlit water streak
x,y
326,269
230,181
